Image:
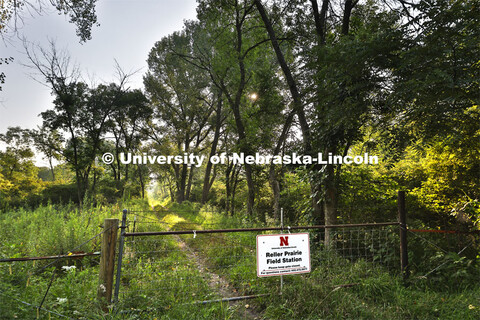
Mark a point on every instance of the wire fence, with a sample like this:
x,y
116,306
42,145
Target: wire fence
x,y
49,287
173,258
169,261
443,258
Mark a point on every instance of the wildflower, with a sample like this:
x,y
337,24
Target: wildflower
x,y
62,300
68,268
471,307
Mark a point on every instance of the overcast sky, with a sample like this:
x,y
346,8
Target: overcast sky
x,y
128,29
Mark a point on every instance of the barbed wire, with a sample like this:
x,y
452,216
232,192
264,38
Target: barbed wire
x,y
429,242
74,249
441,265
446,235
40,307
36,307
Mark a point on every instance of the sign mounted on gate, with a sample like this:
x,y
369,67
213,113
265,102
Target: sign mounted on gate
x,y
279,254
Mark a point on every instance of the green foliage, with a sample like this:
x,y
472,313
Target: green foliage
x,y
19,183
295,199
441,179
50,230
400,83
59,194
369,292
45,231
81,13
73,292
440,67
3,60
450,270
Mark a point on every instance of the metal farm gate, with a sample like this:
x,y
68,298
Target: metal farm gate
x,y
166,261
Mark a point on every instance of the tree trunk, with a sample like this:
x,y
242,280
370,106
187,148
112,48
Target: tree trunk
x,y
235,105
320,17
94,187
275,185
227,187
142,183
172,194
208,170
347,12
292,85
189,183
330,204
296,97
77,170
236,171
316,189
51,168
251,189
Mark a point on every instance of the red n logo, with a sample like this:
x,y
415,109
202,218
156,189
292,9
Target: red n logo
x,y
283,241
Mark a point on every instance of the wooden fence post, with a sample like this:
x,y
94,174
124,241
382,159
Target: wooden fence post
x,y
107,262
120,255
402,219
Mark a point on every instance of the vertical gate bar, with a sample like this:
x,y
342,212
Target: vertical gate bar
x,y
402,217
281,276
120,255
134,223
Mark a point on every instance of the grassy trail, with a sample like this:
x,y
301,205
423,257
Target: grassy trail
x,y
172,275
217,283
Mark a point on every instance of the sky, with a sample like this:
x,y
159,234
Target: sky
x,y
128,30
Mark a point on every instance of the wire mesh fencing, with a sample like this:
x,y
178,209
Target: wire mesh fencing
x,y
444,258
169,261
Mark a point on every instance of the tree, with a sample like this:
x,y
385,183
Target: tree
x,y
70,95
18,174
12,14
438,79
49,142
182,102
84,115
126,122
230,47
80,12
336,81
218,121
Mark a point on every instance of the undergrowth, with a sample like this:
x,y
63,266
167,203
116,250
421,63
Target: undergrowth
x,y
162,279
349,290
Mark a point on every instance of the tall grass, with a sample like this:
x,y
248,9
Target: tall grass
x,y
71,283
344,290
370,293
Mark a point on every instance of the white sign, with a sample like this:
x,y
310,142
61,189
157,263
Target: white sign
x,y
279,254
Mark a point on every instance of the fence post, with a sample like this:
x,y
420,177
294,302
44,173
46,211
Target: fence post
x,y
120,255
107,261
402,218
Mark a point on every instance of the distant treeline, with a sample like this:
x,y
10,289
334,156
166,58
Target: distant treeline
x,y
399,81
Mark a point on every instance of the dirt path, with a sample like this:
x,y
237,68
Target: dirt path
x,y
218,284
